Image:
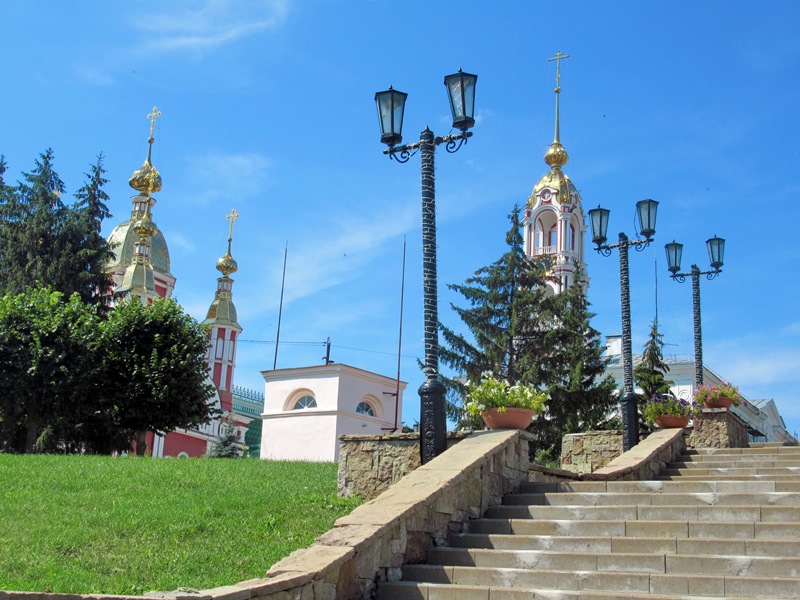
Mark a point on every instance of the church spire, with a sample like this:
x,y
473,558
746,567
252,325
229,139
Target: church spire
x,y
556,156
225,329
138,279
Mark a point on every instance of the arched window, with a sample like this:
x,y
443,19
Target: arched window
x,y
305,402
572,237
553,241
365,408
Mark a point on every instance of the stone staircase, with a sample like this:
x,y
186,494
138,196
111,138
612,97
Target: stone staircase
x,y
718,523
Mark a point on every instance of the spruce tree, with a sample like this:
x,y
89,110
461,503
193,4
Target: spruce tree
x,y
581,395
90,250
507,317
45,242
649,374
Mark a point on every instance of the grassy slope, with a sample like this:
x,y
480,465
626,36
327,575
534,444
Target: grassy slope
x,y
129,525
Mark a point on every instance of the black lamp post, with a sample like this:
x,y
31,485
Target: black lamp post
x,y
646,209
391,105
716,254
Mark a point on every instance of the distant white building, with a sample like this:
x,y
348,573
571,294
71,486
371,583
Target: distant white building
x,y
764,422
306,409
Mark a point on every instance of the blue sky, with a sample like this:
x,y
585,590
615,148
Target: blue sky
x,y
268,108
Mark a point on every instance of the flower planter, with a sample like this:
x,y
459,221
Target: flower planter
x,y
512,418
672,421
721,402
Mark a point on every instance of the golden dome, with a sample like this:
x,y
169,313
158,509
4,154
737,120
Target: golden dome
x,y
146,179
556,156
226,265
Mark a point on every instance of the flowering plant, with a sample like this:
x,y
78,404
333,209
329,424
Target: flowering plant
x,y
499,394
669,405
712,393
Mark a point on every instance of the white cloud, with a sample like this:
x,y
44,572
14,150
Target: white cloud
x,y
239,176
93,75
203,26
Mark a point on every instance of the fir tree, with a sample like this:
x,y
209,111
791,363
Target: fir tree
x,y
649,374
227,445
43,241
506,318
90,250
581,395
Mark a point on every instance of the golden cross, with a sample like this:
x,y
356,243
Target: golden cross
x,y
232,217
153,116
558,58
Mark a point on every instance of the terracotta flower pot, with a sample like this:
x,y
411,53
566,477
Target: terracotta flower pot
x,y
721,402
512,418
671,421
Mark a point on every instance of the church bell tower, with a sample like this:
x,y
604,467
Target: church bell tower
x,y
553,224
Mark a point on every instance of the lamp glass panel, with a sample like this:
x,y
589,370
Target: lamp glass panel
x,y
598,217
647,210
674,255
716,251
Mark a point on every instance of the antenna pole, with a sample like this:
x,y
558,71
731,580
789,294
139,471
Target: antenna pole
x,y
400,335
280,309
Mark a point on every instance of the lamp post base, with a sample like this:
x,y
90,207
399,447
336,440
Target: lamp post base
x,y
432,423
630,420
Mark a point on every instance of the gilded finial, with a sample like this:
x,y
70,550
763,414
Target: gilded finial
x,y
226,265
153,116
146,179
556,156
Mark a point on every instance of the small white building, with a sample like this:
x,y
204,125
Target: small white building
x,y
306,409
764,422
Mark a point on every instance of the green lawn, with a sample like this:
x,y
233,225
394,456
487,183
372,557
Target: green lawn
x,y
90,524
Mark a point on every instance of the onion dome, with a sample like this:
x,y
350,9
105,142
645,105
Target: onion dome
x,y
222,311
226,265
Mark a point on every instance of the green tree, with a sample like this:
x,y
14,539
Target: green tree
x,y
581,395
156,368
507,317
43,241
227,445
47,366
88,249
650,373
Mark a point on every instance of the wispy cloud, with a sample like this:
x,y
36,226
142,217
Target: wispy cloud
x,y
203,26
93,75
222,175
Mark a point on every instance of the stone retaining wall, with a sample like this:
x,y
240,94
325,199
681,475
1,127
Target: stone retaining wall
x,y
591,450
642,462
719,428
369,464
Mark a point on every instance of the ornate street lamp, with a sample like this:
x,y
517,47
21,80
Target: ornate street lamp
x,y
716,255
391,104
598,217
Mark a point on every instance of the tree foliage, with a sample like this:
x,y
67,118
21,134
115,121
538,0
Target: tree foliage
x,y
155,357
525,335
74,381
44,241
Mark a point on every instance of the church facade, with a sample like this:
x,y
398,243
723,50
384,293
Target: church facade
x,y
140,269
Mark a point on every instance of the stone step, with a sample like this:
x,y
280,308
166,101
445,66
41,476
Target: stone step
x,y
773,445
738,463
768,473
633,529
443,582
669,564
674,486
711,498
696,512
625,544
790,450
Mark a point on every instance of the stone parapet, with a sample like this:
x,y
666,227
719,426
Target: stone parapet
x,y
591,450
642,462
719,428
369,464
